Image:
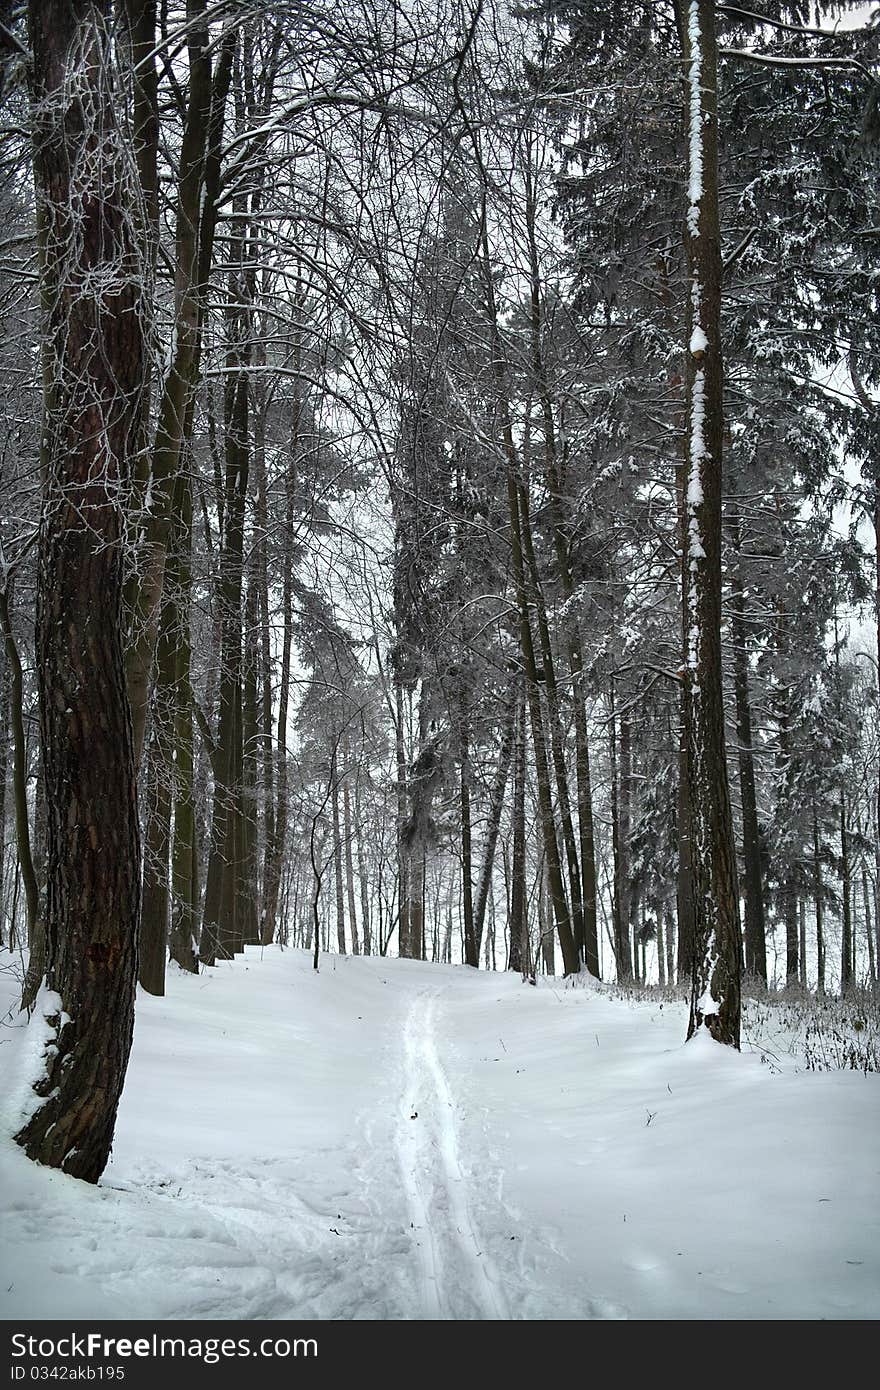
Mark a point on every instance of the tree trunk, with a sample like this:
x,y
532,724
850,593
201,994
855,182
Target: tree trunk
x,y
570,956
366,923
349,867
275,844
156,896
846,932
249,790
4,743
184,850
93,421
818,904
554,723
496,807
585,915
792,958
337,851
717,971
519,941
471,947
869,934
753,893
13,688
404,858
620,914
197,193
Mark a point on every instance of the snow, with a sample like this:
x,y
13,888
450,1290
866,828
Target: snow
x,y
395,1140
695,132
699,342
708,1006
37,1044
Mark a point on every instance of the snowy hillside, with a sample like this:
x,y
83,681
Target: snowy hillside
x,y
395,1140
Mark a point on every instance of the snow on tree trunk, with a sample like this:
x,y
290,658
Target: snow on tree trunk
x,y
717,962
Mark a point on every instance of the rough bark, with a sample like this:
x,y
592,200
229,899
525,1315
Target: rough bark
x,y
717,969
93,421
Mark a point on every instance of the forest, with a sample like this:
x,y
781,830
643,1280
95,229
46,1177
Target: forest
x,y
439,505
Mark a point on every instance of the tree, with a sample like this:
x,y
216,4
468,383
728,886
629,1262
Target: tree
x,y
91,283
717,965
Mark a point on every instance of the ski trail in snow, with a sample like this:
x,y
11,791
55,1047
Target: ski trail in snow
x,y
484,1286
415,1165
435,1185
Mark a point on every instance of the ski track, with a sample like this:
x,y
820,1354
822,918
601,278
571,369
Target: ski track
x,y
458,1279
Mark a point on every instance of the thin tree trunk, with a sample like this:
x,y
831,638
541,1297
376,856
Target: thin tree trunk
x,y
156,895
366,923
585,897
496,807
554,724
620,894
869,934
404,858
818,904
349,867
249,791
184,849
792,957
519,951
196,216
13,687
753,893
570,955
846,937
337,851
471,948
275,845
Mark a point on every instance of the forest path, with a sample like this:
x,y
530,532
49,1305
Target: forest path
x,y
458,1280
396,1140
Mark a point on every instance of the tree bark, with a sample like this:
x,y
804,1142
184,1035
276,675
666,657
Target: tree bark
x,y
179,385
519,936
337,851
14,692
620,914
818,905
96,345
349,864
717,970
846,932
471,947
753,891
496,807
184,851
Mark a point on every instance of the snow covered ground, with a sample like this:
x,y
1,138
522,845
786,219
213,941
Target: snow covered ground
x,y
396,1140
